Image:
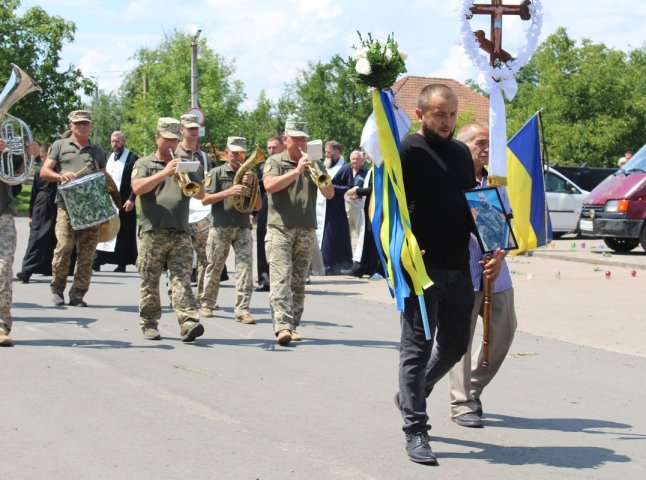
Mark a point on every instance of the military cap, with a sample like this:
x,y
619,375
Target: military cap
x,y
80,116
169,128
237,144
189,121
296,128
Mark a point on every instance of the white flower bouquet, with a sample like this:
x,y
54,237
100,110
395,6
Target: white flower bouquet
x,y
377,64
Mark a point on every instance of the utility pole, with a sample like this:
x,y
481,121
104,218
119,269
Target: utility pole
x,y
194,86
95,107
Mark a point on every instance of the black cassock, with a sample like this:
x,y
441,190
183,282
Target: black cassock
x,y
42,237
336,247
125,251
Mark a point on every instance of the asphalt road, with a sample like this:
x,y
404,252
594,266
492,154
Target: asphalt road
x,y
85,396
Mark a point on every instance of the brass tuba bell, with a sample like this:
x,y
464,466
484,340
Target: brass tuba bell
x,y
15,164
244,203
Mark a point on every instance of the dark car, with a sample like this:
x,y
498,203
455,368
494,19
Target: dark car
x,y
585,177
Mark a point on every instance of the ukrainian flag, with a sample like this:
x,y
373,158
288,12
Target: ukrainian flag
x,y
526,188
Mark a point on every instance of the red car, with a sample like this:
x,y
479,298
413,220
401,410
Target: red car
x,y
616,209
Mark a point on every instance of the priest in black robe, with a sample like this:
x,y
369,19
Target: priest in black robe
x,y
333,229
42,221
122,250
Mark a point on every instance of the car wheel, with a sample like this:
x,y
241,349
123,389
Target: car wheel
x,y
621,244
642,238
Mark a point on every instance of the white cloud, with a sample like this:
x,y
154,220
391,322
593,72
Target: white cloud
x,y
272,41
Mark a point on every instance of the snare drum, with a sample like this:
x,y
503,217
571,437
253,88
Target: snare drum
x,y
87,201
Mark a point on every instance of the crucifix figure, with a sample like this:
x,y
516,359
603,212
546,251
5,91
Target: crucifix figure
x,y
496,10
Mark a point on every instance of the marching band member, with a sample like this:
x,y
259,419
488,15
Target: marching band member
x,y
8,242
66,158
164,236
290,229
230,228
199,218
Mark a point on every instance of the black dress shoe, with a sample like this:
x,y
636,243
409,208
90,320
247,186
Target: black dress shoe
x,y
23,277
262,288
471,420
95,267
120,269
419,450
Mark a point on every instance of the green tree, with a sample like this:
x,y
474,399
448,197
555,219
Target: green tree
x,y
107,117
262,122
592,99
160,86
34,41
329,99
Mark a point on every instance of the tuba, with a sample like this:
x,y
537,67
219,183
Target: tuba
x,y
244,203
188,186
15,164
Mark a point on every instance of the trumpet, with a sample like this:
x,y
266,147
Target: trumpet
x,y
320,179
188,186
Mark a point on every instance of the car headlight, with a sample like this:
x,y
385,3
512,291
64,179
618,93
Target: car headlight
x,y
615,206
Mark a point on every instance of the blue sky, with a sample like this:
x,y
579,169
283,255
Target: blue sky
x,y
269,42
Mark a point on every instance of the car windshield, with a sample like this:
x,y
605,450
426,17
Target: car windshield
x,y
637,163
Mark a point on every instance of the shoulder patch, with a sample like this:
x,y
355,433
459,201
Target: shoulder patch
x,y
207,181
134,172
267,168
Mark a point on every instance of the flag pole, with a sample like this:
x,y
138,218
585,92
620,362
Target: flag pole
x,y
544,155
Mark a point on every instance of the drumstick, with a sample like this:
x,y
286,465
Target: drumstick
x,y
88,164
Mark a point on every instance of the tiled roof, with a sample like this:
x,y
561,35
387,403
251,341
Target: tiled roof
x,y
408,88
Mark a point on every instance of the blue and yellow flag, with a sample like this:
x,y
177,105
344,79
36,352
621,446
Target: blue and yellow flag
x,y
526,188
391,227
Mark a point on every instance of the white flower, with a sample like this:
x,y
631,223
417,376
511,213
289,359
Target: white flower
x,y
389,54
403,54
363,67
361,53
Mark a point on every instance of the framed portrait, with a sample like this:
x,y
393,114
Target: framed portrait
x,y
492,226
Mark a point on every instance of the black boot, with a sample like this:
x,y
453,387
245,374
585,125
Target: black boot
x,y
23,276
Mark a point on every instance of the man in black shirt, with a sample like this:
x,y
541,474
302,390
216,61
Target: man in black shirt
x,y
436,170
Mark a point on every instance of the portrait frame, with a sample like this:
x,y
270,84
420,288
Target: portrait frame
x,y
491,223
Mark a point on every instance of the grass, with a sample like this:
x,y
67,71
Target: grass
x,y
22,201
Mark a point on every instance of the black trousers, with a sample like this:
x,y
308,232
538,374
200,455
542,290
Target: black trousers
x,y
422,363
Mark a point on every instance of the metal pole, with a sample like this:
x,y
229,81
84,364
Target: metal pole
x,y
194,84
95,107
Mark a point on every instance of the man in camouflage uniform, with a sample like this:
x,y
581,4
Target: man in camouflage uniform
x,y
199,216
67,158
164,236
230,228
291,224
8,243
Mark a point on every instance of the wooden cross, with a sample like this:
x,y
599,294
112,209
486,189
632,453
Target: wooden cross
x,y
496,10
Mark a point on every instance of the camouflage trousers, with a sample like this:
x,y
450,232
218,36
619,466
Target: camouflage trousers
x,y
7,250
289,251
156,248
199,237
217,250
85,241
